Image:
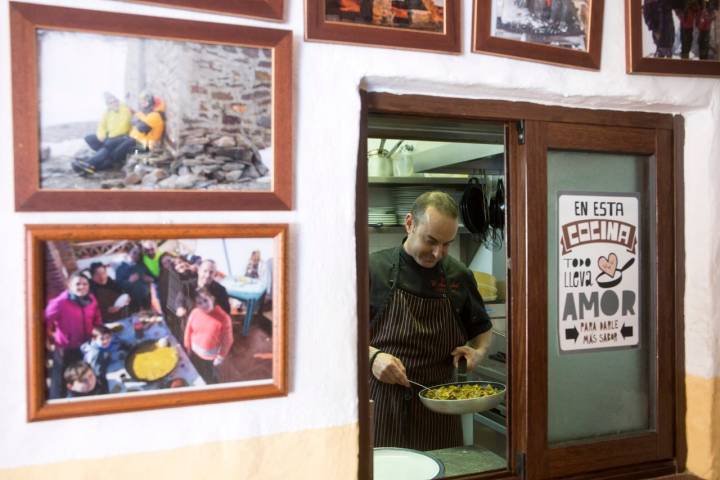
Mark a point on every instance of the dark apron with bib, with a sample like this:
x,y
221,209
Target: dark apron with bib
x,y
421,332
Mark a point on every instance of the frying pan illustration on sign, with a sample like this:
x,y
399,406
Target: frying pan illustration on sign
x,y
608,278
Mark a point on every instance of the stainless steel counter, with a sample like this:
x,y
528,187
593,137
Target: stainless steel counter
x,y
470,459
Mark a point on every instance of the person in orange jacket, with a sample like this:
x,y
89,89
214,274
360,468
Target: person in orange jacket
x,y
148,125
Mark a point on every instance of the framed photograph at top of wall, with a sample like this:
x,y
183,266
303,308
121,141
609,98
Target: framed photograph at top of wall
x,y
673,37
130,317
560,32
272,9
432,25
128,112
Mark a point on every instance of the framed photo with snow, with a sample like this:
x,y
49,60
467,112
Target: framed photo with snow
x,y
272,9
125,112
130,317
672,37
560,32
432,25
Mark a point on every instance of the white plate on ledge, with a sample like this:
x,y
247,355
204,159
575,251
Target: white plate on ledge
x,y
405,464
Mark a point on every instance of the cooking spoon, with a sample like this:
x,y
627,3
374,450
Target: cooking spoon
x,y
418,384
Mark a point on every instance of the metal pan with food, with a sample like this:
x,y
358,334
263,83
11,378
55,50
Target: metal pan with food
x,y
151,360
462,397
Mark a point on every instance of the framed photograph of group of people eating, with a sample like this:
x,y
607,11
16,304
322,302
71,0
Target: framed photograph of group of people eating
x,y
155,114
128,317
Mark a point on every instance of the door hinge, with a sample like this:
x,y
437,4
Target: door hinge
x,y
520,464
521,131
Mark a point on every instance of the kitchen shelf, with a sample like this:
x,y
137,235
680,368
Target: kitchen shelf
x,y
380,228
418,180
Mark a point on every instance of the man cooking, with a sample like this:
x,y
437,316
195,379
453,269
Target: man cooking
x,y
425,314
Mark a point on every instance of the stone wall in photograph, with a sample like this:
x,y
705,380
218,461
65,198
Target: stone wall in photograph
x,y
211,91
218,104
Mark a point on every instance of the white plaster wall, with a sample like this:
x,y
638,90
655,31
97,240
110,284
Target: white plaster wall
x,y
322,271
702,197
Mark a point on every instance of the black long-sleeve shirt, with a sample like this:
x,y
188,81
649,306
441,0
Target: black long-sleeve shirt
x,y
468,305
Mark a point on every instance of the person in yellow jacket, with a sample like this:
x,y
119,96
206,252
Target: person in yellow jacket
x,y
112,129
114,123
148,125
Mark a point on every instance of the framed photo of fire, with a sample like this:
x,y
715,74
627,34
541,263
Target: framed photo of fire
x,y
432,25
560,32
154,114
130,317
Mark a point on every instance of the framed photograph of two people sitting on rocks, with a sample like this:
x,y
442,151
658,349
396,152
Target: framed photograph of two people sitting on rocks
x,y
130,317
127,112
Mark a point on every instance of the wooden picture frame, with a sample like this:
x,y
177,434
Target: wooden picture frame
x,y
582,51
208,115
54,252
271,9
380,31
639,41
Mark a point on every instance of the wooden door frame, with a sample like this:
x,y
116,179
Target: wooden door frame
x,y
529,116
618,453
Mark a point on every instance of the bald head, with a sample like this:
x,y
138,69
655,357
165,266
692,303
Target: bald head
x,y
440,201
206,272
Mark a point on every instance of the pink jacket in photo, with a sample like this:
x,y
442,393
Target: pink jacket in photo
x,y
70,323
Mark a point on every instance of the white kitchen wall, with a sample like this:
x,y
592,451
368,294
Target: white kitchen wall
x,y
322,275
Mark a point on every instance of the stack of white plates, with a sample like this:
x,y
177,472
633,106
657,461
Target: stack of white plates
x,y
404,197
384,215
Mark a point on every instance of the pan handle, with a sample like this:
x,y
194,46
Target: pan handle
x,y
628,264
462,370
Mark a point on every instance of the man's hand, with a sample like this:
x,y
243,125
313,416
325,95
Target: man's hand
x,y
133,277
389,369
472,355
474,350
181,311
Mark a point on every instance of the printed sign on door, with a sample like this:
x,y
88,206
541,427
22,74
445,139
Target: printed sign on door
x,y
598,271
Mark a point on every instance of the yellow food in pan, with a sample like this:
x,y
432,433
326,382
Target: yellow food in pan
x,y
153,362
461,392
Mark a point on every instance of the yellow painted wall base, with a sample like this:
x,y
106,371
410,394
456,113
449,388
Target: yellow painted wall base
x,y
703,426
312,454
330,453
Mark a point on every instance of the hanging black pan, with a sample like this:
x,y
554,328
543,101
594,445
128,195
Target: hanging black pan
x,y
473,208
496,219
